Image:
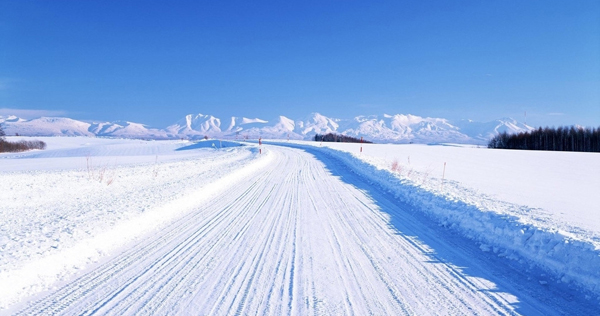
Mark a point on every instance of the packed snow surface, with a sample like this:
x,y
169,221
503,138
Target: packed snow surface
x,y
530,206
125,227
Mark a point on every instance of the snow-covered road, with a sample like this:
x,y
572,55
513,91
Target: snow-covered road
x,y
304,235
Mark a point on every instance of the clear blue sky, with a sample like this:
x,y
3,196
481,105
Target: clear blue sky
x,y
155,61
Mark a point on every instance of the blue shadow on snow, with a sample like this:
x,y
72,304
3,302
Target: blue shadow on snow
x,y
463,255
212,143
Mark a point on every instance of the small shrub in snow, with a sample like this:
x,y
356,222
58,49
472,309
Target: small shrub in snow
x,y
395,166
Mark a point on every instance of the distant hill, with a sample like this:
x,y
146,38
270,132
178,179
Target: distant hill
x,y
397,128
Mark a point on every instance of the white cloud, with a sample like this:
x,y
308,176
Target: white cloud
x,y
30,113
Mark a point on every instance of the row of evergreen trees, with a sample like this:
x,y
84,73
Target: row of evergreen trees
x,y
555,139
331,137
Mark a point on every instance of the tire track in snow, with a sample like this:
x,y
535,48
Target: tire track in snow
x,y
299,238
394,246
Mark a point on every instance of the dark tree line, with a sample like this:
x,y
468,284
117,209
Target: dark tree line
x,y
554,139
331,137
23,145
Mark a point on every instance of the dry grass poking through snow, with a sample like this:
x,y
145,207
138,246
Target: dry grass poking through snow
x,y
103,174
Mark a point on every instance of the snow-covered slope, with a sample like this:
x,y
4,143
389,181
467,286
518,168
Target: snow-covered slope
x,y
404,129
46,126
10,119
397,128
195,125
62,126
281,128
317,124
485,130
200,125
127,130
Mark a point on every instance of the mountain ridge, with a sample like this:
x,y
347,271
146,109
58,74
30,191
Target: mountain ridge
x,y
386,128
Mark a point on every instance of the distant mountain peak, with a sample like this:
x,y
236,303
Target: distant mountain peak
x,y
394,128
254,120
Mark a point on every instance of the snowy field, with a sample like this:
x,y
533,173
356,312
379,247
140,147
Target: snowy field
x,y
81,198
556,188
129,227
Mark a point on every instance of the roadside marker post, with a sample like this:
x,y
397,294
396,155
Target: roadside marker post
x,y
361,141
443,175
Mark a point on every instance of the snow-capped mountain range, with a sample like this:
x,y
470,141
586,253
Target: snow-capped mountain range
x,y
386,128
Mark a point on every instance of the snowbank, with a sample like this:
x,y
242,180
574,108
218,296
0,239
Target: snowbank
x,y
100,195
500,227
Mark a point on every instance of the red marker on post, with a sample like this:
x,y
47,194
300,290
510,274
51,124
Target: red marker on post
x,y
259,144
361,141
